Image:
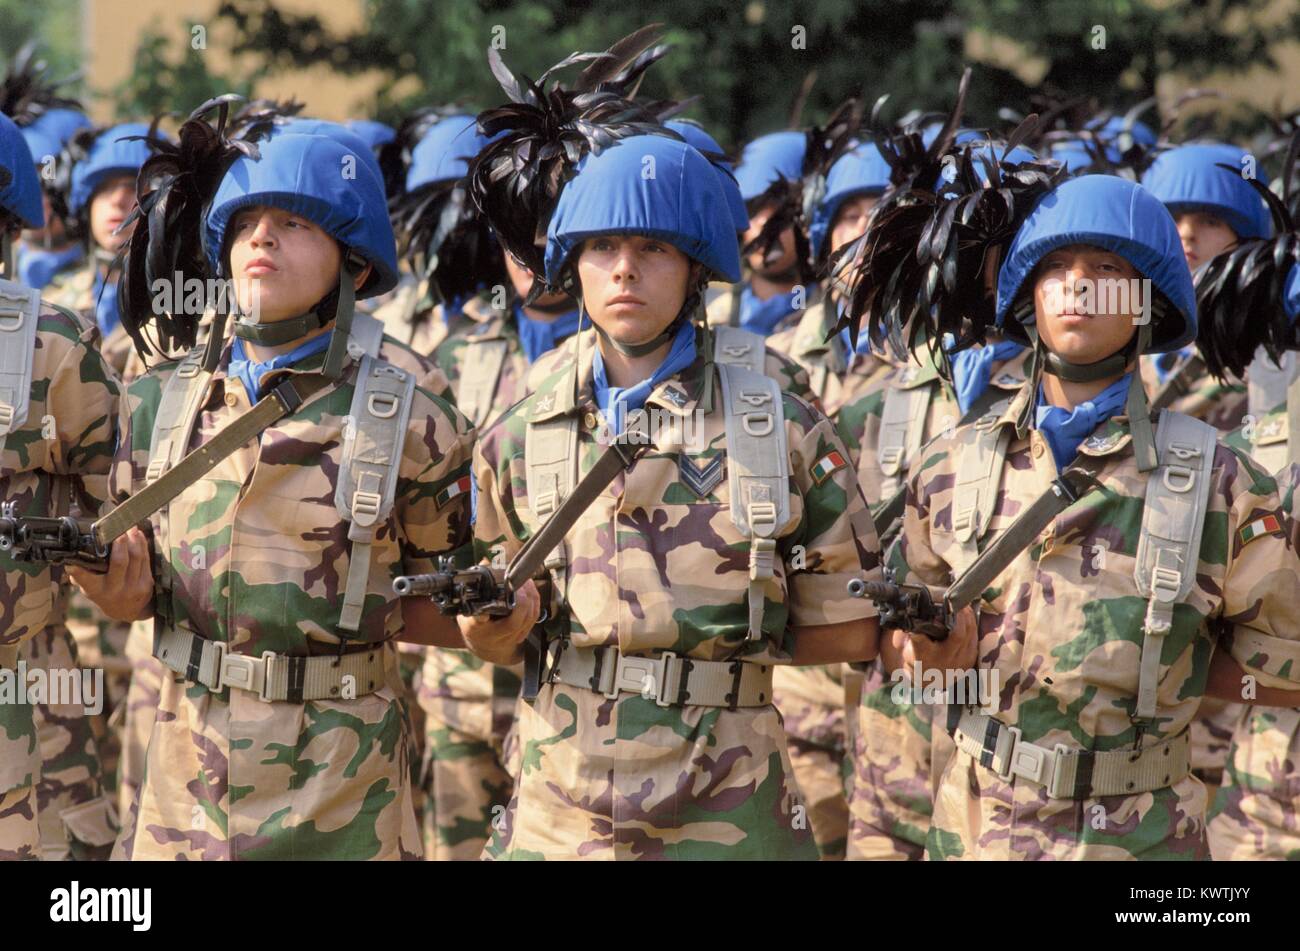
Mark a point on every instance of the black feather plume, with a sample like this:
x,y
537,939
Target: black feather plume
x,y
1239,294
174,189
26,93
548,129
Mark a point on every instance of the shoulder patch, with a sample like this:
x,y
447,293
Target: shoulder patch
x,y
1267,525
451,490
826,466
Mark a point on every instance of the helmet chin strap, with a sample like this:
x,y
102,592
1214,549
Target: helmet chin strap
x,y
7,255
285,331
1136,406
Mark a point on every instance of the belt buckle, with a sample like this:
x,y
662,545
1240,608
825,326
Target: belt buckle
x,y
632,672
240,671
1027,760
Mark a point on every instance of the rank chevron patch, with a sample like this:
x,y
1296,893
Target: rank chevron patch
x,y
701,479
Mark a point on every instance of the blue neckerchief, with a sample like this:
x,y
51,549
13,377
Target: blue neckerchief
x,y
762,316
972,368
1166,363
539,337
680,356
249,372
107,314
1064,430
37,267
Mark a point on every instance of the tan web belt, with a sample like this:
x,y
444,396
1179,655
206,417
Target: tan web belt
x,y
667,679
272,676
1073,773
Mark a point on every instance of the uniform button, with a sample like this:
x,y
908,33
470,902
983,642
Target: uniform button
x,y
1038,450
589,420
231,399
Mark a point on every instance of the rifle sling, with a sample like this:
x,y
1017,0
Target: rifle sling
x,y
280,402
890,512
1068,488
1179,383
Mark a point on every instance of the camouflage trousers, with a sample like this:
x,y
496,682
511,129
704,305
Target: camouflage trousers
x,y
900,749
20,767
978,815
1211,736
102,645
77,817
229,776
1256,813
139,710
469,711
811,701
624,778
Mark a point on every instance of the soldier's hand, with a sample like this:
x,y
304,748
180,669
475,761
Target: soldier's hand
x,y
125,591
957,652
499,640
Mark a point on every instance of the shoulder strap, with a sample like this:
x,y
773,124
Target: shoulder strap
x,y
1169,546
20,310
758,474
480,373
736,347
551,459
372,454
367,333
979,476
902,426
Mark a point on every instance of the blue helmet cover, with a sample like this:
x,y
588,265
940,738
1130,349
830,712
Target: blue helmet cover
x,y
373,133
704,143
305,175
768,158
1188,179
679,201
863,171
445,151
113,152
20,186
340,134
1120,216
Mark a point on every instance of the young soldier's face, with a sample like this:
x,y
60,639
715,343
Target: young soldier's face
x,y
1204,236
782,260
113,200
851,220
282,263
1079,310
632,286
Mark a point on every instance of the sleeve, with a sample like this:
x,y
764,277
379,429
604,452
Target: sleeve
x,y
836,541
792,377
911,558
1262,583
498,531
433,488
83,402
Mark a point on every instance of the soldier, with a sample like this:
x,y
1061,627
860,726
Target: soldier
x,y
1095,643
49,251
270,581
1214,209
774,295
58,406
652,733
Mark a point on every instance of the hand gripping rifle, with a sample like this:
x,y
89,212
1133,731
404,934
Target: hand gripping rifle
x,y
914,607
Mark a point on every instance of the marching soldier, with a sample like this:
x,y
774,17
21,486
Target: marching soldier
x,y
58,406
1146,567
269,583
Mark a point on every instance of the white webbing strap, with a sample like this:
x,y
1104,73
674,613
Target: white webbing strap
x,y
20,308
480,372
736,347
367,480
1169,545
366,335
758,474
551,455
902,426
975,494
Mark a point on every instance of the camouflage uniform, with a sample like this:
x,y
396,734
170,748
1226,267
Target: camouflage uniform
x,y
468,703
1220,404
228,775
898,750
836,376
626,778
1075,682
428,334
75,392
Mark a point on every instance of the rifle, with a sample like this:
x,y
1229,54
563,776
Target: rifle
x,y
480,589
31,538
912,607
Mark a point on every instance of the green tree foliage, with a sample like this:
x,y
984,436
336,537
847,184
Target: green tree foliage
x,y
171,75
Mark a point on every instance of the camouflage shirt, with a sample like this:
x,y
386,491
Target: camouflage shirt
x,y
1061,633
487,325
724,309
836,376
1221,404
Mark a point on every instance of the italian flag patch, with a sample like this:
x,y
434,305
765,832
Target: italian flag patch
x,y
459,487
1268,525
827,464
